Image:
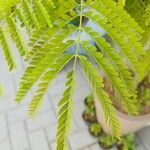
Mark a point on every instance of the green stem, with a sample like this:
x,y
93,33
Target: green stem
x,y
142,3
79,34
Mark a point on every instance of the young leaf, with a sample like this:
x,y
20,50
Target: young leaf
x,y
16,35
118,30
125,97
65,113
6,49
115,59
146,64
98,87
45,81
37,67
30,19
43,12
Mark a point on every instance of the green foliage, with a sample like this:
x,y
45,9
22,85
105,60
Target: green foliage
x,y
115,59
97,86
126,99
16,35
146,63
144,94
48,26
140,11
147,15
127,142
45,81
1,90
6,6
89,114
89,101
122,2
40,63
119,30
95,129
28,16
15,14
65,113
6,49
106,141
43,12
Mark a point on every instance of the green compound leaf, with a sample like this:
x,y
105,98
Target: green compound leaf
x,y
65,113
98,87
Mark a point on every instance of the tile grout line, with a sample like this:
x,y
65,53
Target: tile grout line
x,y
53,109
87,146
27,135
9,138
46,136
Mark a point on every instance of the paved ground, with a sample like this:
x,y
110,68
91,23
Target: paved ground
x,y
19,132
